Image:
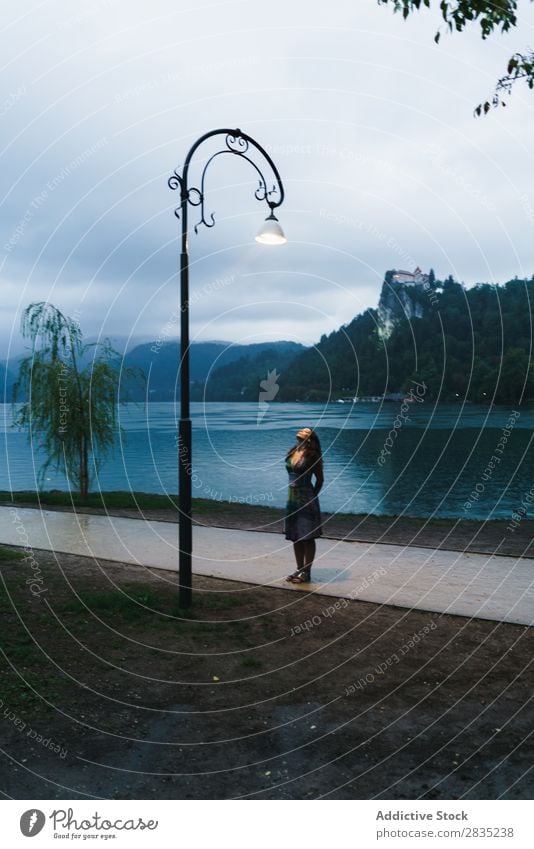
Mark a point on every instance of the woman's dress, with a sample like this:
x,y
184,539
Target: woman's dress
x,y
303,513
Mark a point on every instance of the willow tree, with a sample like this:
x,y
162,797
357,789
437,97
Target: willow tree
x,y
70,407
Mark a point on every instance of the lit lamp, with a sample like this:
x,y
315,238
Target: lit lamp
x,y
271,233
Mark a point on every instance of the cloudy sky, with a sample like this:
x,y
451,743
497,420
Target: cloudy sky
x,y
369,121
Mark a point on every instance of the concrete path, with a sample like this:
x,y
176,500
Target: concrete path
x,y
479,585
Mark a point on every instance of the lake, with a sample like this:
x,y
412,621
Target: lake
x,y
429,461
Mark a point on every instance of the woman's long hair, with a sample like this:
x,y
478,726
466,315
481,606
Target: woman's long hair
x,y
312,448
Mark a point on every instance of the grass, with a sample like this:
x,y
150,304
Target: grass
x,y
146,606
130,604
8,554
18,697
22,650
138,608
109,500
25,656
218,601
121,500
251,663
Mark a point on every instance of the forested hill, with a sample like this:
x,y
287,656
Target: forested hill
x,y
473,344
160,363
464,344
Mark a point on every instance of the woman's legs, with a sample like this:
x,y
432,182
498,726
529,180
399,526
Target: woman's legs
x,y
299,550
304,555
309,554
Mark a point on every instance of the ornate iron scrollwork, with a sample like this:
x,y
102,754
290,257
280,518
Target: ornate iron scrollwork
x,y
237,144
175,180
261,192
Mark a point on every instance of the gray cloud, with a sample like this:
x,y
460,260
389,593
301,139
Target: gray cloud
x,y
369,122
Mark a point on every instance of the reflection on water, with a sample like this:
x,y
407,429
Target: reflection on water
x,y
436,460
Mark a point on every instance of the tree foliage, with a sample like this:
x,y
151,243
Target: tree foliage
x,y
70,407
466,344
490,15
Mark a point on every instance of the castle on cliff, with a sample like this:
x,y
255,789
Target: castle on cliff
x,y
402,297
416,277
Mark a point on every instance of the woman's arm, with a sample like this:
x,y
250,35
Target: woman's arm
x,y
319,479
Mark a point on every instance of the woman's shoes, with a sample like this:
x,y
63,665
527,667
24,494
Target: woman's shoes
x,y
301,576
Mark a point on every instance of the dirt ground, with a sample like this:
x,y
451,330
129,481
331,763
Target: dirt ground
x,y
109,690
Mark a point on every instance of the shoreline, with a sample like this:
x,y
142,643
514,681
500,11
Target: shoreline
x,y
453,534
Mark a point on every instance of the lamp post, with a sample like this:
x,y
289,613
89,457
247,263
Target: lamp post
x,y
239,144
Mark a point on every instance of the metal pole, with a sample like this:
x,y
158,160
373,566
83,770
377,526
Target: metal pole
x,y
185,469
237,144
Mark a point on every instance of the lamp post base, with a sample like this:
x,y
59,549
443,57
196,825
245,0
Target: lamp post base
x,y
185,534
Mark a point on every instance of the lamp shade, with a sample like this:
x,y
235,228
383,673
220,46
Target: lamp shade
x,y
271,233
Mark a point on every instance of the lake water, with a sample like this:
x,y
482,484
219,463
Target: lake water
x,y
434,464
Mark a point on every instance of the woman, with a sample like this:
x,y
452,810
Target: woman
x,y
303,517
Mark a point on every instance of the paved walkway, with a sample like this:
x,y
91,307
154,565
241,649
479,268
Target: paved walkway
x,y
466,584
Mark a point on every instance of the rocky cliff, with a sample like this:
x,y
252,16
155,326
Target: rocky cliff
x,y
401,300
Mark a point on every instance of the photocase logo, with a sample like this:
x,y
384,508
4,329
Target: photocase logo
x,y
32,822
269,392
